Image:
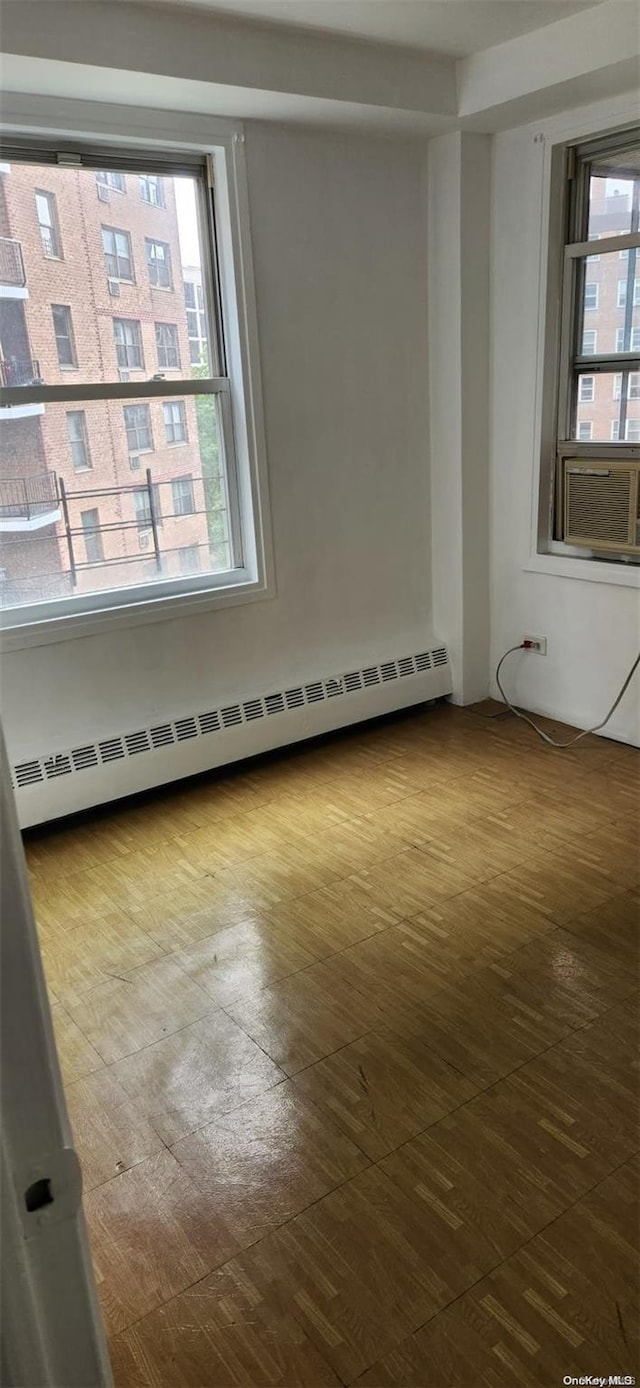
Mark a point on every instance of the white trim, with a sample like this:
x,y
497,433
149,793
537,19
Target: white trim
x,y
565,566
13,291
256,579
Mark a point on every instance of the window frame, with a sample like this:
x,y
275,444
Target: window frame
x,y
87,465
153,261
128,428
115,232
180,406
53,226
70,337
238,394
566,196
174,345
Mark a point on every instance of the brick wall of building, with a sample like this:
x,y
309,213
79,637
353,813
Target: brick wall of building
x,y
76,279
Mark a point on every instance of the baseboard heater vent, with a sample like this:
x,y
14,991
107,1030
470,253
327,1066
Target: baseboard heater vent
x,y
218,736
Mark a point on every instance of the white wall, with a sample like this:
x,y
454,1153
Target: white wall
x,y
459,263
339,243
593,627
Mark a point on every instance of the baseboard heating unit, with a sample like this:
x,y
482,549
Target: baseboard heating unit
x,y
61,782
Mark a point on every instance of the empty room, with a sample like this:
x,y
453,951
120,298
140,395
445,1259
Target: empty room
x,y
320,693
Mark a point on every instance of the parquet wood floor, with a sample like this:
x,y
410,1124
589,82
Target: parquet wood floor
x,y
349,1040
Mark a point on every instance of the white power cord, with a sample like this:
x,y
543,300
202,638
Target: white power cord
x,y
539,731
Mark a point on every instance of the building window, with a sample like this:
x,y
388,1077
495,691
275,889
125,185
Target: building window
x,y
78,440
137,423
63,330
90,521
601,199
628,339
633,385
159,264
142,506
47,214
123,402
128,340
152,190
168,346
591,295
633,431
107,178
622,293
183,498
196,321
175,421
189,559
117,254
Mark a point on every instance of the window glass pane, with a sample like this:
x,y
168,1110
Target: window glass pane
x,y
614,193
610,303
109,231
38,555
607,406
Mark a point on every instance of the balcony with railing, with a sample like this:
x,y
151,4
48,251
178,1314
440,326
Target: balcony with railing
x,y
29,503
19,371
13,277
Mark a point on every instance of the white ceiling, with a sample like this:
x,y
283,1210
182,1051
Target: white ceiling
x,y
456,28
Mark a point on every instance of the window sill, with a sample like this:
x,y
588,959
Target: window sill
x,y
588,570
142,613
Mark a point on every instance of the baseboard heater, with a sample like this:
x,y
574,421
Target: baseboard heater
x,y
62,782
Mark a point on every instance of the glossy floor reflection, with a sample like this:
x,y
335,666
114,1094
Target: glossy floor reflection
x,y
349,1041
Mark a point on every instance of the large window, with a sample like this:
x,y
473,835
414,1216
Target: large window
x,y
159,263
152,189
86,539
175,421
78,440
117,254
168,346
63,331
598,406
47,214
137,423
128,340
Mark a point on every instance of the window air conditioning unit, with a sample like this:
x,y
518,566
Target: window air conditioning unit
x,y
103,192
114,288
134,463
143,539
124,376
601,504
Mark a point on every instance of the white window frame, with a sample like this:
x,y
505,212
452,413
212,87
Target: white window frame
x,y
592,284
586,399
239,397
557,331
587,426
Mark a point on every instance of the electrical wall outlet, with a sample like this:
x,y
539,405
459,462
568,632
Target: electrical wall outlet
x,y
538,644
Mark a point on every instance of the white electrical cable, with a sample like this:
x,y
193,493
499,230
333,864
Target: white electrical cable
x,y
540,731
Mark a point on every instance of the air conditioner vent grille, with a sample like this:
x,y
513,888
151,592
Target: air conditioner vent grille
x,y
232,715
28,773
161,736
598,507
84,757
185,729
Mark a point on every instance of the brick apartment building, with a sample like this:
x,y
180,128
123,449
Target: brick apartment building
x,y
92,290
611,321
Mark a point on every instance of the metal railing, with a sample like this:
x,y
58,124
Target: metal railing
x,y
19,371
12,269
25,498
